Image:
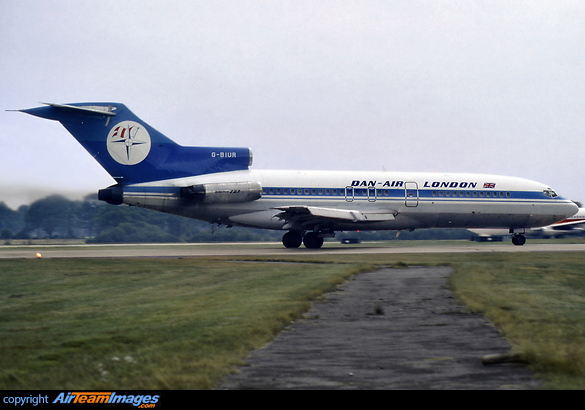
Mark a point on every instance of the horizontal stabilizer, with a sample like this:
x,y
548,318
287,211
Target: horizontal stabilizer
x,y
60,111
88,109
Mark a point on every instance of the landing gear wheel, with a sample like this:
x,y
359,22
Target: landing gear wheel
x,y
312,240
518,240
292,239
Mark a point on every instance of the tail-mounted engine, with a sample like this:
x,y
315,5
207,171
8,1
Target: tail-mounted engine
x,y
112,195
223,192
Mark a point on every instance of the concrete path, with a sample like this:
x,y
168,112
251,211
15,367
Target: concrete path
x,y
390,329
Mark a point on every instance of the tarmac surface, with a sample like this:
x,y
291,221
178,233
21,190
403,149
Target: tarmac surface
x,y
390,329
259,249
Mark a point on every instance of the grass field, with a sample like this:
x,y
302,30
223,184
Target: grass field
x,y
185,323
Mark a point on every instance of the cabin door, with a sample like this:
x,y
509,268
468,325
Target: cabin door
x,y
411,194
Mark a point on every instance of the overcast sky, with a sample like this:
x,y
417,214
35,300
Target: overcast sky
x,y
401,85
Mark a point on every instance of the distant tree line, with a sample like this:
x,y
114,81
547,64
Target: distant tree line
x,y
56,217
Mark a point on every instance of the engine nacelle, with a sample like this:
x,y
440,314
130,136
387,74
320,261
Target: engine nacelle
x,y
223,192
112,195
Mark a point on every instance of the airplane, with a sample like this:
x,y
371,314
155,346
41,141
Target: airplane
x,y
217,184
573,225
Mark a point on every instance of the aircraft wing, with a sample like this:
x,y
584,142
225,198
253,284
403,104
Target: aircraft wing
x,y
301,215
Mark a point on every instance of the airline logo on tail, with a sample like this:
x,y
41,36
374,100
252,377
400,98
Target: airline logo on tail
x,y
128,143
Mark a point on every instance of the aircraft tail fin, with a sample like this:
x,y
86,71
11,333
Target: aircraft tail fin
x,y
131,151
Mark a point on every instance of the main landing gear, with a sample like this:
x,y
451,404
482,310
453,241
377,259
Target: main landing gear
x,y
311,240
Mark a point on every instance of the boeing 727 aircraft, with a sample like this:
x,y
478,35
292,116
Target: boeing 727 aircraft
x,y
216,184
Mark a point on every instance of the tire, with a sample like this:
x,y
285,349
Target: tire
x,y
518,240
312,240
292,239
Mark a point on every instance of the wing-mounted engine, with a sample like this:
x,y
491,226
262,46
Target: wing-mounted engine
x,y
222,192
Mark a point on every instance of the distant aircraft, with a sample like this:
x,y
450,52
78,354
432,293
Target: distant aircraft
x,y
574,225
216,184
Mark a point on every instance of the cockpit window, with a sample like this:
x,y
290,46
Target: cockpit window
x,y
550,193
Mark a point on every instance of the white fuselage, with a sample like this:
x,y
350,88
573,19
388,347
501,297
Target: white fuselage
x,y
412,200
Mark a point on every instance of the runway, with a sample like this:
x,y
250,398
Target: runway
x,y
262,249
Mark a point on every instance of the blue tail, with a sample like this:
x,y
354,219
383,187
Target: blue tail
x,y
131,151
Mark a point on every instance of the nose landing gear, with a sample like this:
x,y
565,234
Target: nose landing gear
x,y
518,239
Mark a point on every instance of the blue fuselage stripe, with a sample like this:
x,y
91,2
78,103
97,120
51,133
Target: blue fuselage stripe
x,y
372,194
402,193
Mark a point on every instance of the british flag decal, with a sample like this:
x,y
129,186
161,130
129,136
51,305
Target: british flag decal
x,y
489,185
